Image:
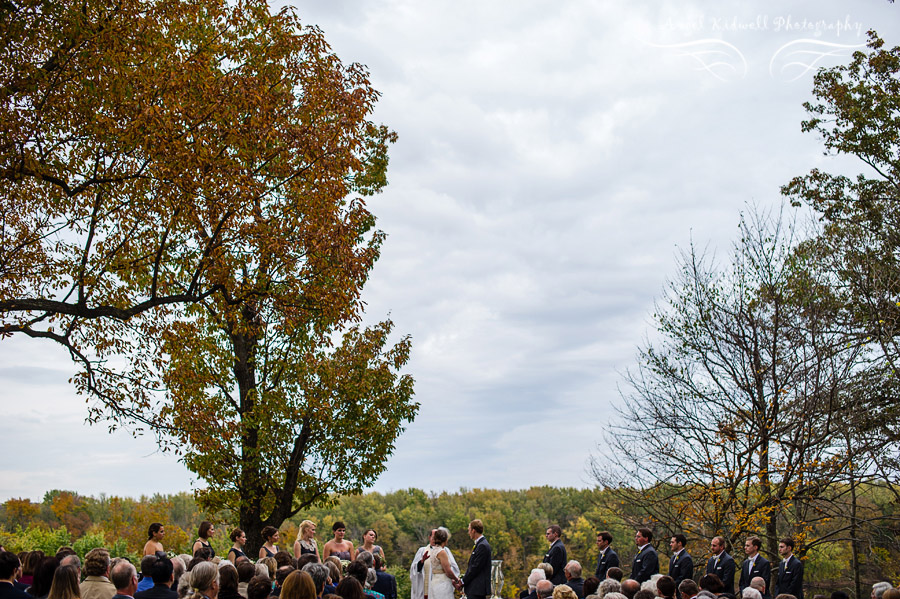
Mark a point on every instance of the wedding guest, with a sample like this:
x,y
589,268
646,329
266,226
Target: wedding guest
x,y
161,574
259,587
607,586
228,581
205,581
43,577
319,574
350,588
298,585
591,584
124,577
10,566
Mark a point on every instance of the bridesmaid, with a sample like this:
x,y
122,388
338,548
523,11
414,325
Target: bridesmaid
x,y
269,548
239,538
206,532
306,540
337,546
154,539
369,538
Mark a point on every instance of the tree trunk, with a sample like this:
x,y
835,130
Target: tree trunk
x,y
854,532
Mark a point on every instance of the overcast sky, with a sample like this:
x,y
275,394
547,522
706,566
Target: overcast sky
x,y
553,157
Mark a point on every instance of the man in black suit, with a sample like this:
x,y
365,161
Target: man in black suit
x,y
10,569
163,574
607,558
572,571
556,555
385,584
755,565
721,564
681,564
790,571
646,562
477,580
124,576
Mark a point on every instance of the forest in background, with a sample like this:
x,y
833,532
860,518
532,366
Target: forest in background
x,y
515,522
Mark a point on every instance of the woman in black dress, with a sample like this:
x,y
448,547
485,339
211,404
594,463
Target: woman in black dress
x,y
238,537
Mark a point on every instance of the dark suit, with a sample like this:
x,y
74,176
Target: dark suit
x,y
157,591
556,557
477,580
645,564
682,567
761,568
724,568
790,578
605,561
9,591
577,585
386,585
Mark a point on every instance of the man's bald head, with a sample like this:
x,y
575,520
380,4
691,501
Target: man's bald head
x,y
630,587
544,589
759,583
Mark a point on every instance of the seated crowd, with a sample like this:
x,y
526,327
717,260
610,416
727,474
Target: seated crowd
x,y
277,574
659,586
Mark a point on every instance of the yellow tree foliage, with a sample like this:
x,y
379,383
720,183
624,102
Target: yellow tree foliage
x,y
21,510
183,190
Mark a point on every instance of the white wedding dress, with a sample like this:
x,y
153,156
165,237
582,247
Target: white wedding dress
x,y
441,586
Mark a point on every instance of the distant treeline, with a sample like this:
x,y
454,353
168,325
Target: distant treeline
x,y
515,523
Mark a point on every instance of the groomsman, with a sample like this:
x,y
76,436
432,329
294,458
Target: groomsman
x,y
646,563
721,564
607,558
477,581
755,565
790,571
681,565
556,555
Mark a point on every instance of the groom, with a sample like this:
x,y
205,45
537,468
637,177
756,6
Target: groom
x,y
477,581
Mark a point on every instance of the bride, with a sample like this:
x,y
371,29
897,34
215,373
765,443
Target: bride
x,y
443,578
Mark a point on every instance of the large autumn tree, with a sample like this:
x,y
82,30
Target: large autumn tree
x,y
182,207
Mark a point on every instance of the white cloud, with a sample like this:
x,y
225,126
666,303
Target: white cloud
x,y
551,159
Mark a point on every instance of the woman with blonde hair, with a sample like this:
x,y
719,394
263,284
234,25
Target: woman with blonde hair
x,y
204,581
271,567
298,585
65,584
306,540
564,591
